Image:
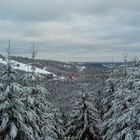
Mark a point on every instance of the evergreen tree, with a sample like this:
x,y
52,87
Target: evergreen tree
x,y
84,123
15,122
55,129
121,120
36,95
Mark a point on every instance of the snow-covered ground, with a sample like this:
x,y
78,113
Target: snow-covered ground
x,y
25,67
81,68
67,66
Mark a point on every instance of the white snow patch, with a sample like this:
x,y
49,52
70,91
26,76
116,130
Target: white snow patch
x,y
67,66
13,131
25,67
81,68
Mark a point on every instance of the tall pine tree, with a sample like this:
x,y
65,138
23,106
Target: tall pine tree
x,y
84,123
15,122
121,119
36,96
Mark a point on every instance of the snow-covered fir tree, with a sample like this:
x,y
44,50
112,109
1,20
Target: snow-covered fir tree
x,y
16,123
55,129
121,119
84,121
36,97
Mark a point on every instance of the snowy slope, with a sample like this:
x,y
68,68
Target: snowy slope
x,y
24,67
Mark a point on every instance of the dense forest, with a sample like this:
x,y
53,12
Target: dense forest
x,y
93,106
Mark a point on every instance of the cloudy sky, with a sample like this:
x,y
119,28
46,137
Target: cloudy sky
x,y
71,30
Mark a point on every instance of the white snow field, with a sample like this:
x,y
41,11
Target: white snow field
x,y
25,67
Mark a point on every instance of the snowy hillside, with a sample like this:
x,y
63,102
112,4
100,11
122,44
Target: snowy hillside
x,y
25,67
35,108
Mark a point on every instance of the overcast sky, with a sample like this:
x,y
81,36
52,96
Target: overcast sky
x,y
71,30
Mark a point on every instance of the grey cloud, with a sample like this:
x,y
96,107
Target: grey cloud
x,y
89,29
47,10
